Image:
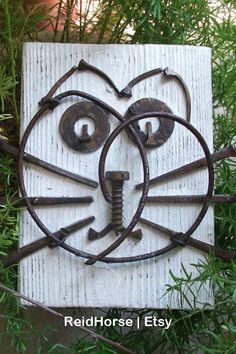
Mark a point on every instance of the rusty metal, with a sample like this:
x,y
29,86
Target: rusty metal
x,y
49,104
47,100
85,137
102,179
95,235
107,196
220,198
19,254
91,98
225,153
161,135
178,238
45,201
117,179
136,234
169,73
193,227
85,142
83,65
13,151
127,90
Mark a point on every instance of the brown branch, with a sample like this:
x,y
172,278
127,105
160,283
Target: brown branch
x,y
91,333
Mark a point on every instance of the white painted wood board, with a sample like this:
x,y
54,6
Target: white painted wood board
x,y
58,278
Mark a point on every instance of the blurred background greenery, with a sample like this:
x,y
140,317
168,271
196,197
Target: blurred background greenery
x,y
201,22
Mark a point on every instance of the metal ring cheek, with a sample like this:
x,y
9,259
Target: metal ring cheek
x,y
28,202
205,148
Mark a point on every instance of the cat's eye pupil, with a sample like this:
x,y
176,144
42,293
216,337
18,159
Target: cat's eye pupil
x,y
155,124
78,127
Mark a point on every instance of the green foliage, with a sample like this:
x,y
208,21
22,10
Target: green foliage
x,y
207,330
117,21
6,85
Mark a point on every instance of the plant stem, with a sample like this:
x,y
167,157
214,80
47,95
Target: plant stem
x,y
91,333
105,21
57,20
11,56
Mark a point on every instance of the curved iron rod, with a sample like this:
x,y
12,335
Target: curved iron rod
x,y
171,73
102,161
127,90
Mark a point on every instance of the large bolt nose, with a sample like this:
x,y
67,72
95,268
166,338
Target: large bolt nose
x,y
117,175
117,179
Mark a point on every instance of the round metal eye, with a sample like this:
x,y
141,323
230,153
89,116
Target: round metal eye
x,y
84,142
149,138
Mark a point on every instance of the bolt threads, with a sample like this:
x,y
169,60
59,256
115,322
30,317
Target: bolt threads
x,y
117,207
117,179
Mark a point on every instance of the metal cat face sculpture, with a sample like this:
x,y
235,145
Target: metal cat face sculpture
x,y
98,111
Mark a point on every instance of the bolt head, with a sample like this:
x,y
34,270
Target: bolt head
x,y
117,175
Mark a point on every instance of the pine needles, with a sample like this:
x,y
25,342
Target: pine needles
x,y
116,21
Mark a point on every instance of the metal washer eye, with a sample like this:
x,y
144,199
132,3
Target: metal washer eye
x,y
161,135
86,142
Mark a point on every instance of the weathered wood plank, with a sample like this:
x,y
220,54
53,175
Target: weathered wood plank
x,y
58,278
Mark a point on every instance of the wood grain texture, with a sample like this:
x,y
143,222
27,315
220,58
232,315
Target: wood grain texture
x,y
58,278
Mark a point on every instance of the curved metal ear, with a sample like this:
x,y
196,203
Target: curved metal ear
x,y
82,66
126,91
149,138
169,73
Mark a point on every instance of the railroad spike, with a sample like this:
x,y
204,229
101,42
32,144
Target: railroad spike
x,y
19,254
45,201
225,153
225,255
9,149
217,198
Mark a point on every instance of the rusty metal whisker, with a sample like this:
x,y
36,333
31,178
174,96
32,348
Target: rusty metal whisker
x,y
225,255
17,255
225,153
217,198
44,201
9,149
